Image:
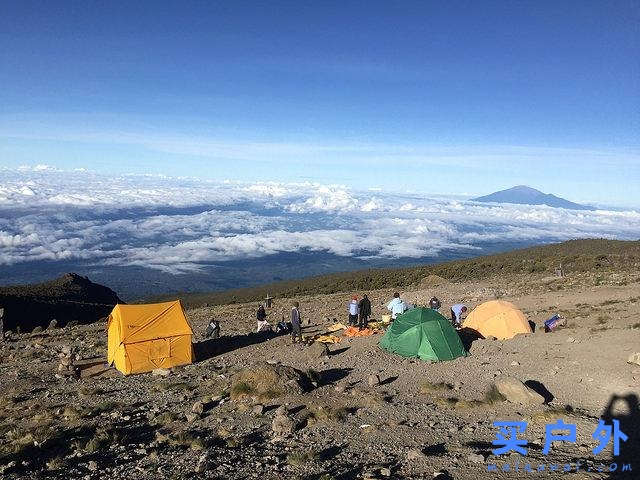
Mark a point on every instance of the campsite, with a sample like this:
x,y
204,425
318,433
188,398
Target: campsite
x,y
258,406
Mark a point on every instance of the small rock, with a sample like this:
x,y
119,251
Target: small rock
x,y
475,458
634,358
161,372
38,329
53,324
258,409
282,425
374,380
203,463
515,364
340,388
415,454
198,408
571,340
66,350
191,417
385,472
93,466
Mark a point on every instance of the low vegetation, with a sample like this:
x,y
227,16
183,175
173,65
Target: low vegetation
x,y
575,256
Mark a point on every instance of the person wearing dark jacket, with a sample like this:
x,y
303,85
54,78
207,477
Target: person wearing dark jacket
x,y
261,315
364,308
296,322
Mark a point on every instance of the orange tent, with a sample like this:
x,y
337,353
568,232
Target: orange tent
x,y
497,318
144,337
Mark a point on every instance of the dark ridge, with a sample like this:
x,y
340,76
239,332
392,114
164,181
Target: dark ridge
x,y
70,297
573,255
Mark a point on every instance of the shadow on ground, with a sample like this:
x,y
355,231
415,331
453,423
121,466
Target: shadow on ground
x,y
332,375
625,409
207,349
468,336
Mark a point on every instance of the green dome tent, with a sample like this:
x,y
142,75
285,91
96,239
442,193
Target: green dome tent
x,y
424,333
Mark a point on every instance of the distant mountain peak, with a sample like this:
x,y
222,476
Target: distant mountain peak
x,y
525,195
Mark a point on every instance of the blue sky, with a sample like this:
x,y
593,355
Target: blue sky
x,y
444,97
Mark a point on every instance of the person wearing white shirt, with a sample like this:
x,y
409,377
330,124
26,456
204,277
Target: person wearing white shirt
x,y
396,306
457,311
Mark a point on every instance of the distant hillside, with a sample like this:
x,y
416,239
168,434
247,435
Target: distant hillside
x,y
574,255
530,196
68,298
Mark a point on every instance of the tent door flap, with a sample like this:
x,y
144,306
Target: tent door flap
x,y
159,349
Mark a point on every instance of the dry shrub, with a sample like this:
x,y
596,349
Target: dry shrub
x,y
446,402
462,404
493,395
265,382
56,463
326,413
165,419
301,457
550,414
100,441
72,413
370,399
186,439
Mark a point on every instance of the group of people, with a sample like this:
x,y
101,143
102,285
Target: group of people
x,y
397,306
359,312
293,326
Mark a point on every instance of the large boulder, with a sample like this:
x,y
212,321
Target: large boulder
x,y
517,392
264,381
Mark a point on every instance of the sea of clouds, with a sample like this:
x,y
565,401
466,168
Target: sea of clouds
x,y
181,225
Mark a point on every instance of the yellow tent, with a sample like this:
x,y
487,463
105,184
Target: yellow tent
x,y
144,337
497,318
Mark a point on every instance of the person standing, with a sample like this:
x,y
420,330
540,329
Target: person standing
x,y
457,311
296,321
353,311
396,306
213,329
364,308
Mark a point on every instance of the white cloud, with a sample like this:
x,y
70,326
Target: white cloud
x,y
177,225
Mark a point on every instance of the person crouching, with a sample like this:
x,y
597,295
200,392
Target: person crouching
x,y
457,312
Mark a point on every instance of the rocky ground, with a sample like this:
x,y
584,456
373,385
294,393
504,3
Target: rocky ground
x,y
358,412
